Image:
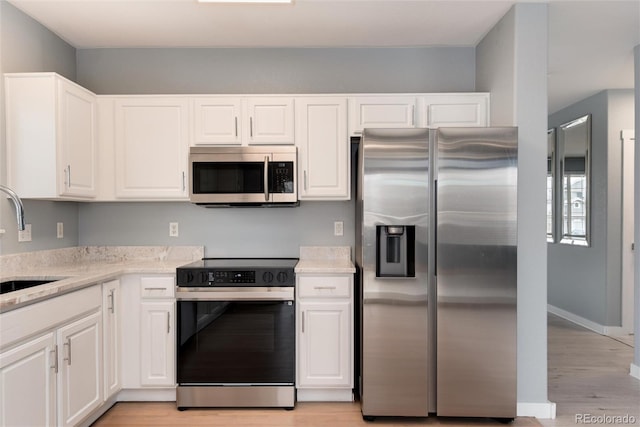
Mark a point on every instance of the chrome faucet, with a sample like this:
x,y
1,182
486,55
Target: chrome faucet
x,y
18,204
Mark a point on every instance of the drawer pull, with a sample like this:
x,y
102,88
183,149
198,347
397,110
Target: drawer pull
x,y
324,287
155,289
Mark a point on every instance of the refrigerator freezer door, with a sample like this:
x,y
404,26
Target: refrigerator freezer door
x,y
476,272
393,197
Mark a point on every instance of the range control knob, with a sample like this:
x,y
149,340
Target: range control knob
x,y
187,277
267,277
282,277
202,278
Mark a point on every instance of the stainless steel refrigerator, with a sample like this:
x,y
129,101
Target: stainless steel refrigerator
x,y
436,254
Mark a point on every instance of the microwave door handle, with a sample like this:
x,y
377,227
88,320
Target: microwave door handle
x,y
266,178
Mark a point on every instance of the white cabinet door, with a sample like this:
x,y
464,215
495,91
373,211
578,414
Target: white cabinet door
x,y
456,110
80,382
381,112
77,135
111,309
270,120
324,350
323,148
216,120
157,351
51,137
151,144
28,384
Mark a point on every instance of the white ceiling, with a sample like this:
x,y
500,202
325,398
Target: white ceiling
x,y
590,42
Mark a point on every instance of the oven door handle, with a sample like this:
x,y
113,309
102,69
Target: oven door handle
x,y
235,294
266,178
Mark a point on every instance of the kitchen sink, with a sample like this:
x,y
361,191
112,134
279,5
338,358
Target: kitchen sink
x,y
18,284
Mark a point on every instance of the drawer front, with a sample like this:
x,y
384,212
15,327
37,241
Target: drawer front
x,y
157,287
324,286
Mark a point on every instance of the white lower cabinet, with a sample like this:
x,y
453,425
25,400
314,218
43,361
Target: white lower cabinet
x,y
325,337
80,369
157,343
28,383
111,337
55,378
148,341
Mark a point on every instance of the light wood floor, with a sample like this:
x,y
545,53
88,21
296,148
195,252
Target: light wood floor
x,y
588,374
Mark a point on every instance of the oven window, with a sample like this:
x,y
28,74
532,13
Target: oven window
x,y
236,342
228,177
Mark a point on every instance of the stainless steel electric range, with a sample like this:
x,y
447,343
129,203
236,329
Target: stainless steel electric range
x,y
236,333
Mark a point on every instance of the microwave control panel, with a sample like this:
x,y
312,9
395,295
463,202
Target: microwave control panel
x,y
282,176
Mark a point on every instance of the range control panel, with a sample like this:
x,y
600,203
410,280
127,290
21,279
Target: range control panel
x,y
199,275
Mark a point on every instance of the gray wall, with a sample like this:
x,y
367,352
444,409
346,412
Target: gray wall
x,y
255,232
276,70
512,65
586,281
25,46
225,232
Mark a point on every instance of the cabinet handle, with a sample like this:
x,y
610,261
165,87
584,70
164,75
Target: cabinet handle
x,y
357,132
413,115
303,322
184,185
55,358
154,289
112,307
236,126
324,287
168,322
251,127
68,351
305,180
67,173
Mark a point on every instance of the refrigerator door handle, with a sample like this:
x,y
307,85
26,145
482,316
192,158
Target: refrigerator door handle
x,y
435,228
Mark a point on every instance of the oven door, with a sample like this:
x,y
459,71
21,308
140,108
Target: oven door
x,y
235,342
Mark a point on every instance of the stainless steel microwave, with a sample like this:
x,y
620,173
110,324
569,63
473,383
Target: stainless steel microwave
x,y
243,176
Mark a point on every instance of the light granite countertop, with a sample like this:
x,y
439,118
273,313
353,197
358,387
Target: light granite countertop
x,y
325,260
79,267
83,266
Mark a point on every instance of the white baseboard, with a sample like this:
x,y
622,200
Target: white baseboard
x,y
615,331
586,323
546,410
634,371
147,395
324,395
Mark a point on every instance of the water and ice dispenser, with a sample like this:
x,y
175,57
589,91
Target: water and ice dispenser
x,y
395,250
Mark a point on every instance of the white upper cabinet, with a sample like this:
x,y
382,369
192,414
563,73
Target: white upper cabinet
x,y
151,148
228,120
455,110
217,120
270,120
51,137
381,112
323,148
